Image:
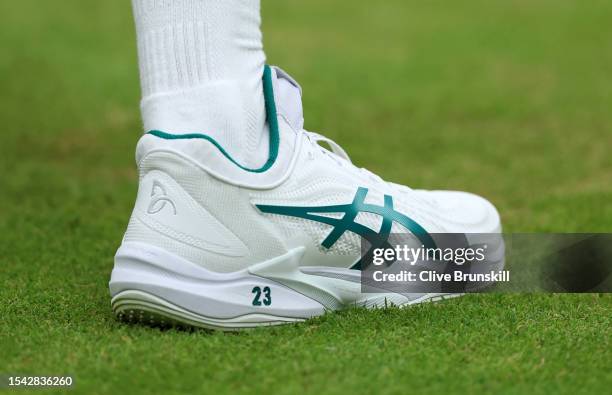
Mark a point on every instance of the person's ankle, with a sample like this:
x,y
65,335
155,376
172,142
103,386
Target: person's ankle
x,y
223,110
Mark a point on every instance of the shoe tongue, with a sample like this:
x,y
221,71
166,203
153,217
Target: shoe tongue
x,y
288,98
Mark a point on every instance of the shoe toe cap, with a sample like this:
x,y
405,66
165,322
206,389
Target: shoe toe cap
x,y
464,212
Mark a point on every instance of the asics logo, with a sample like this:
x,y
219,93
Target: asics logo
x,y
159,199
376,239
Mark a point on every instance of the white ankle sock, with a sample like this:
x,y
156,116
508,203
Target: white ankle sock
x,y
201,66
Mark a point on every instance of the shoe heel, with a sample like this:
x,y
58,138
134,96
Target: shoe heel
x,y
153,286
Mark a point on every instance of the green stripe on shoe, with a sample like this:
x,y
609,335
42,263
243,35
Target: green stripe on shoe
x,y
271,117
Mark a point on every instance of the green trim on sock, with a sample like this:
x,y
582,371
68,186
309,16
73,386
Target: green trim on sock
x,y
271,117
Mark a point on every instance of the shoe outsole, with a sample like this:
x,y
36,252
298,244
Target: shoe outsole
x,y
137,307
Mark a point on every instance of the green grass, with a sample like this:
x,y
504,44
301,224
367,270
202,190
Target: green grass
x,y
511,100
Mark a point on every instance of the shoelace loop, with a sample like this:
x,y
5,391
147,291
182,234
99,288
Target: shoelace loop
x,y
339,152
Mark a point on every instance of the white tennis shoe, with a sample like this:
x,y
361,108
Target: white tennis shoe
x,y
216,244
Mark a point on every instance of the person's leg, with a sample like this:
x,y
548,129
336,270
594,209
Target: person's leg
x,y
201,65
